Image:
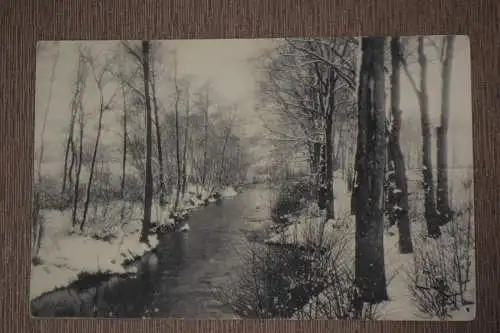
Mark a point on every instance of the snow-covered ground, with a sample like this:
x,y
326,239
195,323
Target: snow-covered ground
x,y
64,253
401,306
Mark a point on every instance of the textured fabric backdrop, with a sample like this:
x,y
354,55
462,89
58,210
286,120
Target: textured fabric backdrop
x,y
23,22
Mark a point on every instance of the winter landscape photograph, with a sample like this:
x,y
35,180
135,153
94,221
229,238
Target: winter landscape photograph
x,y
293,178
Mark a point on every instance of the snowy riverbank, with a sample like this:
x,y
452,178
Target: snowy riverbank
x,y
102,247
308,227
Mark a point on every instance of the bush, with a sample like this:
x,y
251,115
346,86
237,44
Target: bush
x,y
340,300
286,280
443,268
291,198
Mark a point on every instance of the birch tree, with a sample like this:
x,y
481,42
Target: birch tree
x,y
442,198
422,94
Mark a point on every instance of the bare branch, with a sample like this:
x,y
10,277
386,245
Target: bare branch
x,y
410,77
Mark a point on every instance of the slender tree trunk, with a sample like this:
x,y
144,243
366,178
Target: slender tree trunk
x,y
93,162
71,171
177,143
223,156
442,200
205,144
430,203
400,195
185,150
66,155
46,114
78,106
370,166
124,156
36,220
76,196
158,138
148,186
330,210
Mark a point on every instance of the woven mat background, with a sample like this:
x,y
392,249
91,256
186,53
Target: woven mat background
x,y
23,22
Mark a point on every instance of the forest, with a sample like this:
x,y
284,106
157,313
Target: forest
x,y
357,169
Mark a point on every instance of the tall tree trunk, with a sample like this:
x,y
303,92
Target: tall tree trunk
x,y
70,143
148,186
430,203
205,143
400,193
223,156
46,114
78,109
185,150
158,138
442,200
177,142
37,227
67,150
71,169
330,210
124,156
370,167
76,196
94,157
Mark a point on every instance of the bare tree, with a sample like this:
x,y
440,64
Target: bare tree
x,y
423,99
398,194
442,200
148,186
158,135
370,169
77,109
99,77
311,81
125,141
186,139
37,226
177,136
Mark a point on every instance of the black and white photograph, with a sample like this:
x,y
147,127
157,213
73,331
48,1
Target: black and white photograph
x,y
287,178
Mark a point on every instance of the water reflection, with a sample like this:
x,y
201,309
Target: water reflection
x,y
192,264
171,256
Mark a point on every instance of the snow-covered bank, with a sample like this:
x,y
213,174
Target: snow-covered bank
x,y
105,246
64,254
309,227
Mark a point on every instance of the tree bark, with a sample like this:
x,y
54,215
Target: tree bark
x,y
330,206
205,143
81,82
185,149
400,196
158,138
76,195
442,200
430,203
94,157
177,143
370,167
124,156
148,186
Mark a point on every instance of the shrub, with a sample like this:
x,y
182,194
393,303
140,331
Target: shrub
x,y
443,268
286,280
291,198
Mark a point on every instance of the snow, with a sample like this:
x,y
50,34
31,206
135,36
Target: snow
x,y
65,253
185,228
399,267
229,192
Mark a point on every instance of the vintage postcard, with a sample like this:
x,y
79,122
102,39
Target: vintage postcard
x,y
297,178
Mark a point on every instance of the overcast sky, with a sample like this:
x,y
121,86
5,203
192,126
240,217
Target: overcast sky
x,y
225,63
